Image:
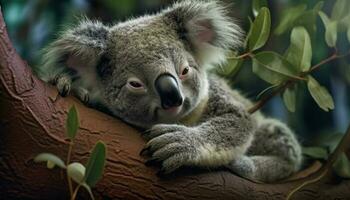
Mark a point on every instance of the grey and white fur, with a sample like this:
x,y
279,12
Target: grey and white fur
x,y
151,72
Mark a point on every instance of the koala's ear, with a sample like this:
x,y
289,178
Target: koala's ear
x,y
206,27
85,44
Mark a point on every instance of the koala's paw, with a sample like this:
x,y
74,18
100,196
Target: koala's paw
x,y
243,166
171,147
82,94
63,84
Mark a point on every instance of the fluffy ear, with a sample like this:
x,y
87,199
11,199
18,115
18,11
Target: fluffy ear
x,y
206,27
83,44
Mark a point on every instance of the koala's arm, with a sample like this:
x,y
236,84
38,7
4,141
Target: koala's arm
x,y
224,133
70,62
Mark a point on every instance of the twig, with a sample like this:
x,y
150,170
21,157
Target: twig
x,y
333,57
245,55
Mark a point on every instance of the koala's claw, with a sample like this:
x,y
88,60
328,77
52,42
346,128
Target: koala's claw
x,y
82,94
144,151
64,89
63,84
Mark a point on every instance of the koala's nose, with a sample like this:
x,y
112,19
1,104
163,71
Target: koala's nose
x,y
168,90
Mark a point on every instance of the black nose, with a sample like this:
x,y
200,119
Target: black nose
x,y
168,91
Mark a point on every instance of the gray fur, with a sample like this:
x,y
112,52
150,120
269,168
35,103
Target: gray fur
x,y
212,128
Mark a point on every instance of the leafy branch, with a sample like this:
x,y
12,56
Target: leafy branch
x,y
291,82
83,176
285,72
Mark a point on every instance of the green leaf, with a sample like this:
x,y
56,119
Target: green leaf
x,y
315,152
289,99
297,16
272,68
288,18
261,30
340,9
348,34
96,163
76,171
344,24
249,32
342,166
257,4
331,29
300,50
231,68
331,34
51,160
50,164
72,123
320,94
328,140
309,19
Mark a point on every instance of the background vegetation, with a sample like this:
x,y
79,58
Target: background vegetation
x,y
34,23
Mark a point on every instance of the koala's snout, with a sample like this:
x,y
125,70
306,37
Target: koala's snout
x,y
168,90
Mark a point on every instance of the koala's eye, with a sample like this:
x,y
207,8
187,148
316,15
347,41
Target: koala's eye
x,y
135,84
185,72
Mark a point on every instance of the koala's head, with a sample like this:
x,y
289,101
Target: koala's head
x,y
152,69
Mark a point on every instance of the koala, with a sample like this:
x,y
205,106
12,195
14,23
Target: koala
x,y
153,72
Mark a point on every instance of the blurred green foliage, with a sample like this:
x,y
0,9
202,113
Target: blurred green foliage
x,y
34,23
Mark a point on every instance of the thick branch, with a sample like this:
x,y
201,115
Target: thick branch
x,y
32,118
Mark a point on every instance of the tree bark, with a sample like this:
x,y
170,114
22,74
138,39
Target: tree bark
x,y
32,121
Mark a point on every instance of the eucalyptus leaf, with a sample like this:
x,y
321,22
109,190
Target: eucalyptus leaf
x,y
72,123
257,5
320,94
331,29
289,99
50,164
299,16
308,19
249,32
342,166
230,68
344,24
272,68
328,140
332,34
261,29
315,152
50,159
288,17
96,163
76,171
340,9
300,50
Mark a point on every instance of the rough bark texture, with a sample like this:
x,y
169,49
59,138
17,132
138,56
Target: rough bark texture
x,y
32,120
